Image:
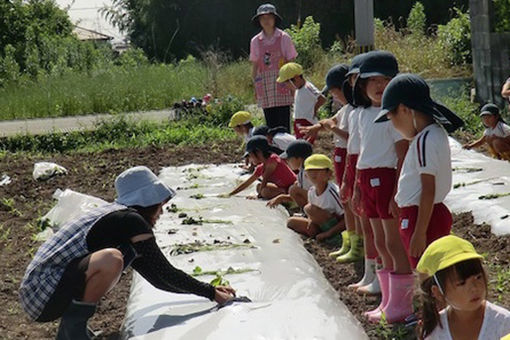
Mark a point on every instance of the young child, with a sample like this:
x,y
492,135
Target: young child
x,y
426,176
280,138
335,78
382,151
452,275
242,125
307,98
277,177
324,210
295,156
496,134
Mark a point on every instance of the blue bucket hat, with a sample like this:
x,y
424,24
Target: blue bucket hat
x,y
412,91
335,77
299,148
141,187
256,143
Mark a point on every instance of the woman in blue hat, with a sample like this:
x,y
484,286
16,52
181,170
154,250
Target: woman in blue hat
x,y
269,51
79,264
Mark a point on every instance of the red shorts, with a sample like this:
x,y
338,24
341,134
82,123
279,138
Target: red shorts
x,y
377,186
440,225
350,175
300,123
339,157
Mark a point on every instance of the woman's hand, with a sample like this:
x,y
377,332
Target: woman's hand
x,y
223,294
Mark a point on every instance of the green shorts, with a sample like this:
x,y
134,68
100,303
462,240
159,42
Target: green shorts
x,y
335,240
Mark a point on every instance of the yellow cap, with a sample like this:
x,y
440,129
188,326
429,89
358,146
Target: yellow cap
x,y
318,161
445,252
289,71
506,337
240,118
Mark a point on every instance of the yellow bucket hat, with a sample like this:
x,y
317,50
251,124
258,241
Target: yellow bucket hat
x,y
289,71
506,337
445,252
240,118
318,161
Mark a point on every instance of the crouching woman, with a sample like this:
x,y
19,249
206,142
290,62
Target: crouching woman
x,y
84,260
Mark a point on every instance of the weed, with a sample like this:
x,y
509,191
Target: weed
x,y
387,331
501,282
7,204
5,232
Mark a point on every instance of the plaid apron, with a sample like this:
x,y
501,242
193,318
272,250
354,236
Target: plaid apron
x,y
269,93
46,269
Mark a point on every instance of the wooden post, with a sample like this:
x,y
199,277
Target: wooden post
x,y
364,25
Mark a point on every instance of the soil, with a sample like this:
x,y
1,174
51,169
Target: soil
x,y
94,174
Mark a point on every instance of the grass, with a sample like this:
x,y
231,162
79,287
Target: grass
x,y
500,283
120,133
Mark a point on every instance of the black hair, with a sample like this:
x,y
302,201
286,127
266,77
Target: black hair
x,y
147,212
265,153
360,93
429,309
249,125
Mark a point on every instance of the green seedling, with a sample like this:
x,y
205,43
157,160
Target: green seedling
x,y
468,170
219,281
198,196
172,208
460,185
199,272
191,221
493,196
197,246
194,186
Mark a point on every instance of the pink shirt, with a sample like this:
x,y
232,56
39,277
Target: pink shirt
x,y
282,176
287,46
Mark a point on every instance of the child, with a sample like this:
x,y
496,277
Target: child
x,y
426,176
307,98
324,210
269,51
496,134
338,125
280,138
295,156
276,175
382,151
242,125
452,274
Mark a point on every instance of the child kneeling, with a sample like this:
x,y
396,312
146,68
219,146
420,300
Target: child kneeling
x,y
324,211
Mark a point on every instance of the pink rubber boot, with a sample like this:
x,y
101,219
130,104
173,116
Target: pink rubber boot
x,y
383,275
400,301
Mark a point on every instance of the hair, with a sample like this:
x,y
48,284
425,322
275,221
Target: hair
x,y
265,153
248,125
147,212
360,93
429,308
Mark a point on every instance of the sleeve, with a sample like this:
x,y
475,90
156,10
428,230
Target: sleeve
x,y
344,120
155,268
335,198
259,170
486,132
288,48
310,195
428,151
506,129
314,91
253,49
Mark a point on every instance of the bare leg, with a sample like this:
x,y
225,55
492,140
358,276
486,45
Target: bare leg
x,y
395,247
270,191
103,273
300,196
303,226
316,214
350,223
501,147
368,237
380,243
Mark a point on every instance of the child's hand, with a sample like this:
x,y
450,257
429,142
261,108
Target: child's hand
x,y
321,237
417,245
344,193
224,195
393,208
466,146
310,131
329,124
252,197
274,202
356,200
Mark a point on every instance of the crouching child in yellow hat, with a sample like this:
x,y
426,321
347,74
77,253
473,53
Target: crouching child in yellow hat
x,y
452,275
241,123
324,211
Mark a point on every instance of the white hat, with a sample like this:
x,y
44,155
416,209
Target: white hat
x,y
140,186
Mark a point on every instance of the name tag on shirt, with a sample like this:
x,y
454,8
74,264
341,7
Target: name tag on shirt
x,y
375,182
405,224
338,159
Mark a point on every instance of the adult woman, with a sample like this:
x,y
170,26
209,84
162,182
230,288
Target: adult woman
x,y
84,260
269,51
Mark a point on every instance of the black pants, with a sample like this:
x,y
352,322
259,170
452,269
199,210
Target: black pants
x,y
278,116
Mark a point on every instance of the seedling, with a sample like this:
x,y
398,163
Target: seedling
x,y
7,204
198,196
190,220
468,170
188,248
493,196
459,185
199,272
219,281
172,208
194,186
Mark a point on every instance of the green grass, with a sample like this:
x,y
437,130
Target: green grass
x,y
120,133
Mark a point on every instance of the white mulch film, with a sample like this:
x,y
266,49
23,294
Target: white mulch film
x,y
291,297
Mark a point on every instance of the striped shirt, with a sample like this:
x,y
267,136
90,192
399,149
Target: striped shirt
x,y
329,200
49,263
429,153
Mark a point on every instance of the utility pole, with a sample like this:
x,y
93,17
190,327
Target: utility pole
x,y
364,25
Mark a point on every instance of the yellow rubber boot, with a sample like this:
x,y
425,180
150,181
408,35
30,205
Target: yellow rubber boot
x,y
346,244
356,253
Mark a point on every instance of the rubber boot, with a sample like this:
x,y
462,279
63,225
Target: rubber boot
x,y
384,282
73,324
373,288
368,275
400,301
356,252
346,244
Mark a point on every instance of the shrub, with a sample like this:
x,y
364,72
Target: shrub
x,y
307,41
416,22
455,37
502,15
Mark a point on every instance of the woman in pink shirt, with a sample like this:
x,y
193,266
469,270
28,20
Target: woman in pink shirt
x,y
269,51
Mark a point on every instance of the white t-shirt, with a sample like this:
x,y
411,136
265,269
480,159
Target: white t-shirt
x,y
500,130
249,135
495,325
305,99
377,141
282,140
342,123
353,144
329,200
429,153
303,180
